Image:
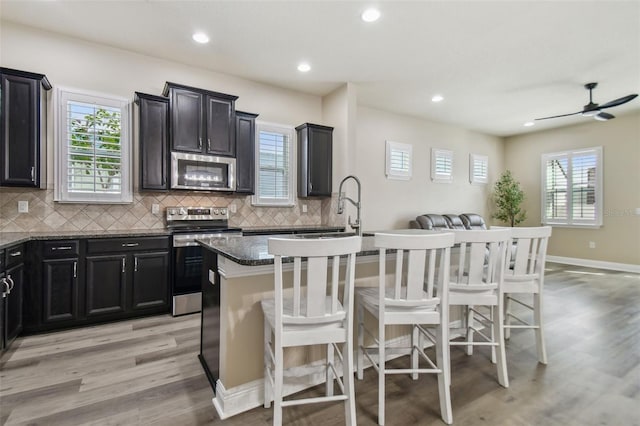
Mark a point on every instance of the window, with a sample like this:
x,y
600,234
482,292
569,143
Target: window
x,y
274,170
398,160
572,187
441,165
93,150
478,168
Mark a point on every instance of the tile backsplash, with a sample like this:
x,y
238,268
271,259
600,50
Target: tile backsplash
x,y
46,215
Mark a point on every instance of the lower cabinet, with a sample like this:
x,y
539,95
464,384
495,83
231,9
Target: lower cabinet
x,y
78,282
13,306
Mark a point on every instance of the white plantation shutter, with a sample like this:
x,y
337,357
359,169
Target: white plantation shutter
x,y
478,168
572,187
274,153
93,149
441,165
398,160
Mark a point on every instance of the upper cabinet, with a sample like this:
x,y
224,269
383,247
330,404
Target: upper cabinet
x,y
314,160
245,152
201,121
153,127
23,128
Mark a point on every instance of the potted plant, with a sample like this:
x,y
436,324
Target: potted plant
x,y
508,197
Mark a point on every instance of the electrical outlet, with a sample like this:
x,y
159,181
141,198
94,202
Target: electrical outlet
x,y
212,277
637,211
304,208
155,208
23,207
592,244
232,208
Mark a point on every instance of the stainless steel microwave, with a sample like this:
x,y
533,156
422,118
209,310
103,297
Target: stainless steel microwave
x,y
202,172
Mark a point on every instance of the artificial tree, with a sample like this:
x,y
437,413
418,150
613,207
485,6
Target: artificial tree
x,y
508,197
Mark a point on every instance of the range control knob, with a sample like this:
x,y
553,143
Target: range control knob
x,y
223,212
172,212
182,211
216,211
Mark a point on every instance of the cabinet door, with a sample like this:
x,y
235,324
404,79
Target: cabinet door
x,y
13,305
320,156
60,289
105,285
150,285
186,120
220,126
245,152
19,130
154,134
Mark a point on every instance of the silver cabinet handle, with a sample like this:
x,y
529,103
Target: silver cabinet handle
x,y
75,269
130,244
208,144
33,174
15,253
61,248
12,283
124,264
310,186
5,290
200,142
135,264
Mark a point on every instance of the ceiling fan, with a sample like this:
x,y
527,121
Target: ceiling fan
x,y
594,110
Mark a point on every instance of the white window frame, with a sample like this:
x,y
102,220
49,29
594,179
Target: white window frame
x,y
598,191
393,150
438,155
478,169
61,189
257,199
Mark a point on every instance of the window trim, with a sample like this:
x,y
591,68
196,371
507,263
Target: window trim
x,y
403,148
598,192
256,199
61,193
436,154
473,160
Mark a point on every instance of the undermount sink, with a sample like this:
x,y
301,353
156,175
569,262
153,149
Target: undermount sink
x,y
325,235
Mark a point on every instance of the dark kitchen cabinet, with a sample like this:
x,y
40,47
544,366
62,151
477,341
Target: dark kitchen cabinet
x,y
60,289
13,300
153,128
23,128
314,160
245,152
150,285
201,121
106,284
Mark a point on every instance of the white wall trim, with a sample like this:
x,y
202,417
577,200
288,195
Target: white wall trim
x,y
247,396
624,267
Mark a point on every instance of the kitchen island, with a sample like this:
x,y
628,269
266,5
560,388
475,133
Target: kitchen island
x,y
242,270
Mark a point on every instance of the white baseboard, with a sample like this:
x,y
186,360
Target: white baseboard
x,y
599,264
236,400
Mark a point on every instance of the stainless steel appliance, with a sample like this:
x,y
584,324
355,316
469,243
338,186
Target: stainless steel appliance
x,y
189,224
204,172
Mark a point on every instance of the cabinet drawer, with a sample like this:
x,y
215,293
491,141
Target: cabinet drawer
x,y
60,248
14,255
103,245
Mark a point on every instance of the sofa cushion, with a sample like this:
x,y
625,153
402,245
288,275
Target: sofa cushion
x,y
473,221
454,221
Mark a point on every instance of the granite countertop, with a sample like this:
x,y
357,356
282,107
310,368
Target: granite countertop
x,y
252,250
8,239
292,228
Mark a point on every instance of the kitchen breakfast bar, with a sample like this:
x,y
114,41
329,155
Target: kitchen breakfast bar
x,y
243,272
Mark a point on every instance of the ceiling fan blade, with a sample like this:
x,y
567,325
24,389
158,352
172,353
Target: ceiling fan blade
x,y
604,116
558,116
619,101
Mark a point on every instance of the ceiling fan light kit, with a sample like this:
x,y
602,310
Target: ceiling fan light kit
x,y
593,109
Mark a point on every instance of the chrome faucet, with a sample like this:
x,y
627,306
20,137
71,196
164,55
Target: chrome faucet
x,y
357,225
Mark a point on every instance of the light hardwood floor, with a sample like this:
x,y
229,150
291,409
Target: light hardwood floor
x,y
146,371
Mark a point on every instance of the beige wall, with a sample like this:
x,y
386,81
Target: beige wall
x,y
618,240
391,203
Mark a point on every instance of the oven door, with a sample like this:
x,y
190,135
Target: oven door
x,y
205,172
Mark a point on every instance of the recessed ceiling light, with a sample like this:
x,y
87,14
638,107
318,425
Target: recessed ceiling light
x,y
437,98
200,38
529,124
304,67
370,15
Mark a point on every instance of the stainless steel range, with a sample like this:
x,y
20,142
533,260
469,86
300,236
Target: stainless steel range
x,y
187,225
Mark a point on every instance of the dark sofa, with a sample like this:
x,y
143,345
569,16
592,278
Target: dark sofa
x,y
448,221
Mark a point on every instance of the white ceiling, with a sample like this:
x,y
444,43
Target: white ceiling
x,y
497,63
